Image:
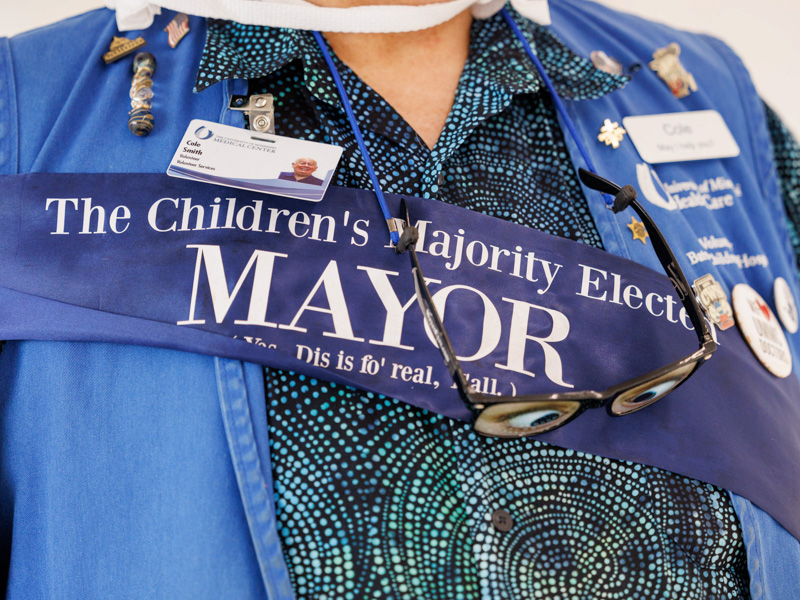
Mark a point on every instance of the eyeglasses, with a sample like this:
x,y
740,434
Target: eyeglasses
x,y
519,416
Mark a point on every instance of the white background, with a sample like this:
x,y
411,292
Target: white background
x,y
765,33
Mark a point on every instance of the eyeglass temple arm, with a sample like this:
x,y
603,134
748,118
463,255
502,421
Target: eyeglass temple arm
x,y
626,196
407,241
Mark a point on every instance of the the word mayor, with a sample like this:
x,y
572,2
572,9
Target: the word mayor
x,y
387,312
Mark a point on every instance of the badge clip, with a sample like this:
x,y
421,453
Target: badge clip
x,y
259,110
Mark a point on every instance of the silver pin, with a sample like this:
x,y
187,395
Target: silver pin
x,y
606,63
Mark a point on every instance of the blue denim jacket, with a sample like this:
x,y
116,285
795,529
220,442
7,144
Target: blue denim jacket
x,y
133,472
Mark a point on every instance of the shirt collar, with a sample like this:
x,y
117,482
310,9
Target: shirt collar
x,y
236,51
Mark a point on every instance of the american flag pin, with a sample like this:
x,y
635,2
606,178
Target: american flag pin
x,y
177,29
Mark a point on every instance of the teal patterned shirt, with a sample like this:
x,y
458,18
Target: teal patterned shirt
x,y
379,499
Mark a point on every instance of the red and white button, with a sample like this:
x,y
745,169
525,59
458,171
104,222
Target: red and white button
x,y
761,330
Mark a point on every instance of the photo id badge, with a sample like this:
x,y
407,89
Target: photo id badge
x,y
259,162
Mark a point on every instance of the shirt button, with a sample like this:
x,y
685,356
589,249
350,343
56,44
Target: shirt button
x,y
440,180
502,521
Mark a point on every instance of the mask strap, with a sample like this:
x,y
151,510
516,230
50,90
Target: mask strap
x,y
301,14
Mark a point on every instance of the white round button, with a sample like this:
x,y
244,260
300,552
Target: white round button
x,y
762,332
784,305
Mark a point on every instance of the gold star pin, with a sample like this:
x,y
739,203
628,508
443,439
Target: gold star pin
x,y
638,230
611,133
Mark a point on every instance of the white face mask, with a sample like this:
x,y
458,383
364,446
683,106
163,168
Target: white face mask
x,y
300,14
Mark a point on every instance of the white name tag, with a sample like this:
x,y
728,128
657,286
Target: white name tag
x,y
682,136
260,162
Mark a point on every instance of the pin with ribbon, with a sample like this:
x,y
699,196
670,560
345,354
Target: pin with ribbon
x,y
141,119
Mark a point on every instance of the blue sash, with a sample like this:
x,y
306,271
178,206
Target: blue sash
x,y
151,260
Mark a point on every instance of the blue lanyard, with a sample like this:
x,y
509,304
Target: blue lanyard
x,y
554,95
562,111
393,234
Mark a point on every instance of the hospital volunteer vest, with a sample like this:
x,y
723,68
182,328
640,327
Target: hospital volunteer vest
x,y
722,217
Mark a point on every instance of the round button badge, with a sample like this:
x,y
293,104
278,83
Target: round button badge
x,y
784,305
762,332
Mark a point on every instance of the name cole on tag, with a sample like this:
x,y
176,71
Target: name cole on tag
x,y
682,136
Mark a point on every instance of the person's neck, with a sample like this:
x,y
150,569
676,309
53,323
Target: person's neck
x,y
415,72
